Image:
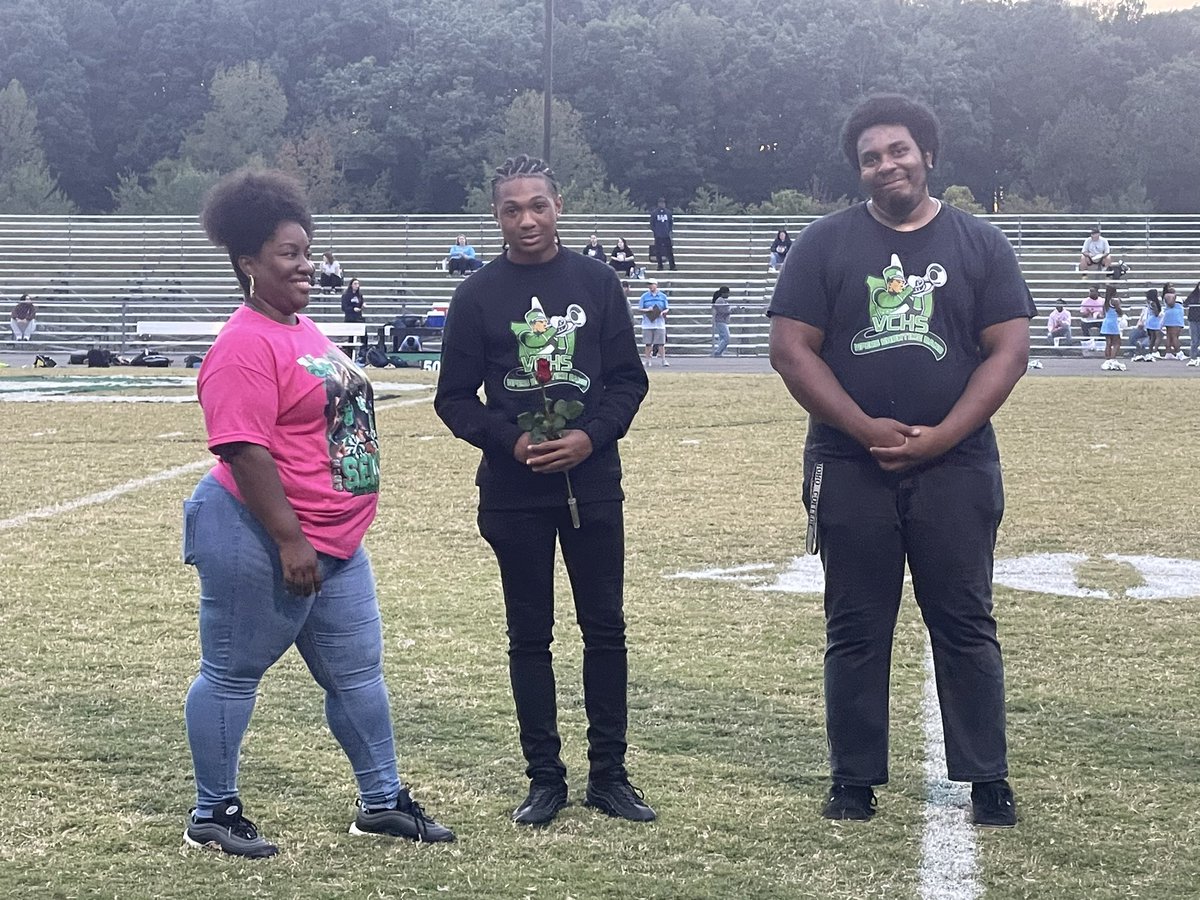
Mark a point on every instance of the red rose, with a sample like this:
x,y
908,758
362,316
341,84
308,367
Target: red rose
x,y
542,370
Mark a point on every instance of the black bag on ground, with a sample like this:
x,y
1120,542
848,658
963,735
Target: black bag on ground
x,y
98,359
153,360
378,357
42,361
192,361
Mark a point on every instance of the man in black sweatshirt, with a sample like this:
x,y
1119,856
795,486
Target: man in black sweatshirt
x,y
541,321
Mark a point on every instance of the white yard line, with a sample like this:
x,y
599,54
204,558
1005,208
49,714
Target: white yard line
x,y
67,506
949,868
392,404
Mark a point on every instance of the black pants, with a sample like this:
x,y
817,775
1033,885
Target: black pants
x,y
664,249
524,544
943,521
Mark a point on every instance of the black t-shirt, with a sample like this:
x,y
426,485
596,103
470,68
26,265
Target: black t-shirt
x,y
570,310
902,313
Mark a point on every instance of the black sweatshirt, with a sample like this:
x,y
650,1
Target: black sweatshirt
x,y
571,311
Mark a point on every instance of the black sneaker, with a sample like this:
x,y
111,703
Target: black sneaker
x,y
228,831
406,819
542,804
992,804
620,799
849,801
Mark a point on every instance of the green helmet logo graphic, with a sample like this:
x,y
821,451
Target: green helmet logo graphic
x,y
550,337
900,308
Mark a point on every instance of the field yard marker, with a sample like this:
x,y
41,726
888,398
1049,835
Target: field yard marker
x,y
949,869
393,404
67,506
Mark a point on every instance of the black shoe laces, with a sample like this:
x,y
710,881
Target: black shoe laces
x,y
243,828
413,808
630,792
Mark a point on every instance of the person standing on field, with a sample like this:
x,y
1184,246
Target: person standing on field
x,y
901,325
542,325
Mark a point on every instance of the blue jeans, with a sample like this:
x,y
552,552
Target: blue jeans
x,y
720,337
248,620
1194,332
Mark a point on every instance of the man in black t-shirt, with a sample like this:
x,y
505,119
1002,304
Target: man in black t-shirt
x,y
541,321
901,325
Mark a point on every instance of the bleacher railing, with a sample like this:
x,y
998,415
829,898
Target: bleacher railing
x,y
94,277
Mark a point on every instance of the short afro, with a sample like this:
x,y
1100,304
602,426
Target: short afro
x,y
892,109
245,208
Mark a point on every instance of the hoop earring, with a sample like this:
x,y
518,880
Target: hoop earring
x,y
251,293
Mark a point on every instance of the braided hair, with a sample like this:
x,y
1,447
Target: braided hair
x,y
522,166
525,166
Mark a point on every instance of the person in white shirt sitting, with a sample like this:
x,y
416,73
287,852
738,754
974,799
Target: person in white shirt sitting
x,y
1095,252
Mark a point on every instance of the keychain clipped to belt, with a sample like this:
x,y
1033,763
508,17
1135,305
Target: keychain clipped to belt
x,y
811,541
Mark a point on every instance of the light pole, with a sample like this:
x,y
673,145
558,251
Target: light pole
x,y
548,89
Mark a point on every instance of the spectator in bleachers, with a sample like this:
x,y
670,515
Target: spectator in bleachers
x,y
779,249
622,258
594,248
331,273
462,259
720,322
1152,320
1095,253
662,223
275,535
1058,325
1091,313
1110,327
23,320
654,305
1172,321
1192,304
353,302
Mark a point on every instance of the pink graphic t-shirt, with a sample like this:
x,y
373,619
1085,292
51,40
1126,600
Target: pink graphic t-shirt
x,y
289,389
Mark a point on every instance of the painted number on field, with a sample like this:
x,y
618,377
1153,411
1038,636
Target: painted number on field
x,y
1162,578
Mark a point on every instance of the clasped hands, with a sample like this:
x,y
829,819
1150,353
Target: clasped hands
x,y
557,455
897,447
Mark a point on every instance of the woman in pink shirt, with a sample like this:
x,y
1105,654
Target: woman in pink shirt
x,y
275,530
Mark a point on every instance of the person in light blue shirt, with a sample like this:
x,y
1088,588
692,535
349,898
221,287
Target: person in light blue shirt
x,y
654,305
462,260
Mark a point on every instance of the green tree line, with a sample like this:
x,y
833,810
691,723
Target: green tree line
x,y
137,106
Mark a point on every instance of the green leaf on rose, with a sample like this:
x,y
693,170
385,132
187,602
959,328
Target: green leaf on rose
x,y
568,409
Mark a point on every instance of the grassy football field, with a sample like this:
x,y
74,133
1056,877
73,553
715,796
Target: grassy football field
x,y
98,645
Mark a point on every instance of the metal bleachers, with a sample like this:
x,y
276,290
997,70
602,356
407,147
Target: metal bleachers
x,y
95,277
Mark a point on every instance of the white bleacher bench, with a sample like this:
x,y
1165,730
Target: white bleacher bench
x,y
209,328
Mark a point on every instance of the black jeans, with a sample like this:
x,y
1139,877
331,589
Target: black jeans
x,y
524,544
664,249
943,521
